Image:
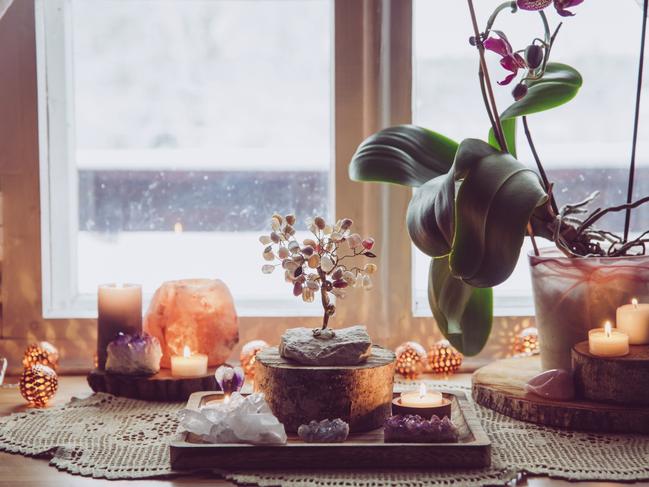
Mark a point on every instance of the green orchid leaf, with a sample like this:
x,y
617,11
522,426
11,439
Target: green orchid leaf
x,y
559,85
463,313
509,127
404,154
493,208
483,227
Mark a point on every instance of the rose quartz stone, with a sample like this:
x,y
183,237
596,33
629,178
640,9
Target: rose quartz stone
x,y
198,313
555,384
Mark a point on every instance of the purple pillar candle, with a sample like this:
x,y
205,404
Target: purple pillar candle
x,y
119,310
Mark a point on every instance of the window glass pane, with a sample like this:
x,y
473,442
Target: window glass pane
x,y
193,122
584,145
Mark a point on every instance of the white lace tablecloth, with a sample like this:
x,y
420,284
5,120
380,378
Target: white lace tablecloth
x,y
109,437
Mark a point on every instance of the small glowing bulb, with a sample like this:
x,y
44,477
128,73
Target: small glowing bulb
x,y
178,227
186,352
422,390
608,329
634,302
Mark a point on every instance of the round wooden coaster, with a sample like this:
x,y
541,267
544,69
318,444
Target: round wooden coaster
x,y
500,386
619,380
159,387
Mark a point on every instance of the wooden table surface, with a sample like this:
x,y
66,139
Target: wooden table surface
x,y
19,471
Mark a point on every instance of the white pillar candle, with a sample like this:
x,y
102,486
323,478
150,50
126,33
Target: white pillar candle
x,y
188,364
633,319
119,309
421,398
608,342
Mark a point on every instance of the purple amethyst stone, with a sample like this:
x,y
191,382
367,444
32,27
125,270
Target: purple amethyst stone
x,y
133,355
415,429
230,379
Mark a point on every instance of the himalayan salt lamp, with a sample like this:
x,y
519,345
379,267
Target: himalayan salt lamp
x,y
197,313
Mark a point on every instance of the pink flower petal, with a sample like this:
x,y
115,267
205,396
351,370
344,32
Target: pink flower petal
x,y
499,46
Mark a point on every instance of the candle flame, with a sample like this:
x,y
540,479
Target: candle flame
x,y
186,352
422,390
226,399
634,302
608,329
178,227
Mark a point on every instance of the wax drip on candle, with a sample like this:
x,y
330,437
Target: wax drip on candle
x,y
634,302
608,329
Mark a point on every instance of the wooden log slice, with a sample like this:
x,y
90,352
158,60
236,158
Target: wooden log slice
x,y
361,394
500,386
617,380
159,387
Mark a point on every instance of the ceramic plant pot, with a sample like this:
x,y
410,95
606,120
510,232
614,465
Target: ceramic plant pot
x,y
573,295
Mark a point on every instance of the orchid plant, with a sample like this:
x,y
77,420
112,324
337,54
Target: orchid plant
x,y
327,263
475,202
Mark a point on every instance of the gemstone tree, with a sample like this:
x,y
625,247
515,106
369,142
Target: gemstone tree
x,y
327,263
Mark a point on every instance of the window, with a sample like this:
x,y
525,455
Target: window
x,y
174,129
584,145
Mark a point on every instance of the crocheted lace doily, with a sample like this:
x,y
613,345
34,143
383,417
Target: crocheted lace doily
x,y
110,437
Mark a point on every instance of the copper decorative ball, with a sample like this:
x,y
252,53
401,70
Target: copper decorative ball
x,y
38,384
527,342
43,353
411,359
248,356
443,358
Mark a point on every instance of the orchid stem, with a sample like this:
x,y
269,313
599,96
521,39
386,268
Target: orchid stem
x,y
530,231
498,129
636,120
544,176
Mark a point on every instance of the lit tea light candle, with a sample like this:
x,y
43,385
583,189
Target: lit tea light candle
x,y
633,319
189,364
421,398
607,342
422,403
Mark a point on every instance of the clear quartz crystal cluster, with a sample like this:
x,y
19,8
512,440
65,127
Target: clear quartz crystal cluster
x,y
134,355
415,429
325,431
242,419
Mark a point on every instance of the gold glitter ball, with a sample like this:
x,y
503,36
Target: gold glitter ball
x,y
43,353
443,358
411,359
526,342
248,356
38,384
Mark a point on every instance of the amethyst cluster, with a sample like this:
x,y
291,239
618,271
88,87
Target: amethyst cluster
x,y
415,429
134,355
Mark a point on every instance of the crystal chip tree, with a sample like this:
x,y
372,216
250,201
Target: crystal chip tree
x,y
328,262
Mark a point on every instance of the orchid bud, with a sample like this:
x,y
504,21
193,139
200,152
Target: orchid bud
x,y
533,56
519,91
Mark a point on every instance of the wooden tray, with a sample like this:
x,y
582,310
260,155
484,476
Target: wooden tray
x,y
361,450
500,386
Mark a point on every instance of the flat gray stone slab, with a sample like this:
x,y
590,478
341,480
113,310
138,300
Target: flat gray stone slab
x,y
349,346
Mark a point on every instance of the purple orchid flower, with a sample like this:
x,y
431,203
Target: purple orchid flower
x,y
560,5
510,60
